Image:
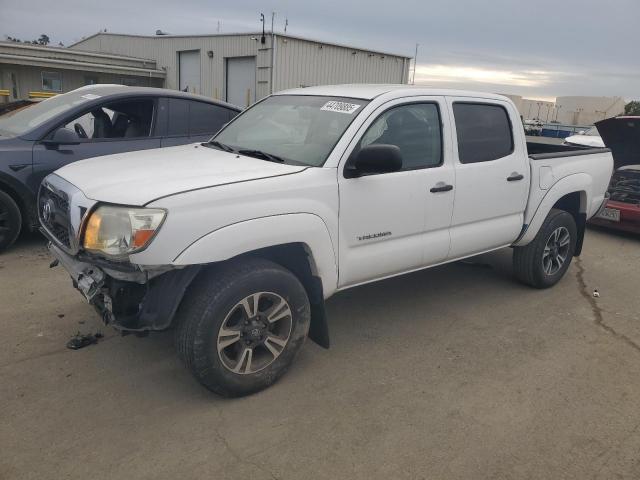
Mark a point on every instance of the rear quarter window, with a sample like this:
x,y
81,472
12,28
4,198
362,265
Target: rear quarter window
x,y
484,132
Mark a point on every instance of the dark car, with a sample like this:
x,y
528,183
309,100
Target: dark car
x,y
622,136
89,122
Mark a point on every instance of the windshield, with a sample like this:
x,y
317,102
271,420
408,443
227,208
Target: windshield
x,y
592,132
22,121
296,129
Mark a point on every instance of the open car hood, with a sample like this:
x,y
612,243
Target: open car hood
x,y
622,136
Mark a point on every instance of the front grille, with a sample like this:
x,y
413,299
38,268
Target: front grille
x,y
625,187
54,214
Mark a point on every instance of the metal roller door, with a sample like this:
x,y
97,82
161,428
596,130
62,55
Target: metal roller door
x,y
241,81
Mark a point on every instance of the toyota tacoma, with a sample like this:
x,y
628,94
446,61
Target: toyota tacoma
x,y
238,242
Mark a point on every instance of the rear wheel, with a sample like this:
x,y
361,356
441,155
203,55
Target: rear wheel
x,y
544,261
241,326
10,221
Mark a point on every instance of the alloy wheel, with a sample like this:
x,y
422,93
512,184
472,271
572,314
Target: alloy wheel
x,y
254,333
556,251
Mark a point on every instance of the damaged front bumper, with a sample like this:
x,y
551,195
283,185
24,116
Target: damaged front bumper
x,y
125,296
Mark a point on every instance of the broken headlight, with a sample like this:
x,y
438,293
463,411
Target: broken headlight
x,y
118,231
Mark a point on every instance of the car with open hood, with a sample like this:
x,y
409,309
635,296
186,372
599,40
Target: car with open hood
x,y
622,136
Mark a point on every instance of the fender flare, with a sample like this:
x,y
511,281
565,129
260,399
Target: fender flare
x,y
578,182
250,235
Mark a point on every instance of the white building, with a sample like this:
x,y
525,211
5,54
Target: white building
x,y
588,110
242,68
581,111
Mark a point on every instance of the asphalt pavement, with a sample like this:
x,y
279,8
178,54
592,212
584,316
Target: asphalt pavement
x,y
457,372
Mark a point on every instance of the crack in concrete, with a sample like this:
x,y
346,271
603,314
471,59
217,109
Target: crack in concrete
x,y
595,308
240,459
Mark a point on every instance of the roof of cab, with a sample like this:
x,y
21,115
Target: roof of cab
x,y
104,89
371,91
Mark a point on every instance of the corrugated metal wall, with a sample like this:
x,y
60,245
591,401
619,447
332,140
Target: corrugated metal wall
x,y
303,63
298,62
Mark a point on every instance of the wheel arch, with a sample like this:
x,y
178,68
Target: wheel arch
x,y
575,203
23,198
311,256
572,194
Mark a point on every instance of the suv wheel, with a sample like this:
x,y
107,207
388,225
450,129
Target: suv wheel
x,y
544,261
241,326
10,221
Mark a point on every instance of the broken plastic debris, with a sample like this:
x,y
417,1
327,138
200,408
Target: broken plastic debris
x,y
596,293
79,341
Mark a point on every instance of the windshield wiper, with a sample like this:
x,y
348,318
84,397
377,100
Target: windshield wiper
x,y
219,145
263,155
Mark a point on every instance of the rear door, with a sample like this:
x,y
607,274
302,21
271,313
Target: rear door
x,y
189,71
395,222
492,176
190,121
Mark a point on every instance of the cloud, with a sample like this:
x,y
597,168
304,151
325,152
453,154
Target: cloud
x,y
542,48
427,74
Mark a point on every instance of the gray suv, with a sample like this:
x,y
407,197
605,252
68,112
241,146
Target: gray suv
x,y
89,122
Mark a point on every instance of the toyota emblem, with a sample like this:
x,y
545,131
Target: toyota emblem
x,y
46,211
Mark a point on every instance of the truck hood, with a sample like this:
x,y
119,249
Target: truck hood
x,y
622,136
136,178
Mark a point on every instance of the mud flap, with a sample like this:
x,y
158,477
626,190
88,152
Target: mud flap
x,y
581,227
319,330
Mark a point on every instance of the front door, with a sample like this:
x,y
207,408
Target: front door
x,y
492,177
395,222
116,127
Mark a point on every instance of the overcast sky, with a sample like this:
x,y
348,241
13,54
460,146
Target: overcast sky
x,y
534,48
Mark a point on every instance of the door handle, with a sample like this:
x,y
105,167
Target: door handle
x,y
441,187
514,177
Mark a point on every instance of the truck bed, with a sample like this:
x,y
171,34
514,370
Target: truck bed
x,y
540,149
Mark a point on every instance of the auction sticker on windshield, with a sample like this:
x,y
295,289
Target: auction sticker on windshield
x,y
340,107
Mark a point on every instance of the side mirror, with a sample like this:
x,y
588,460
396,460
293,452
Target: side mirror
x,y
374,159
62,136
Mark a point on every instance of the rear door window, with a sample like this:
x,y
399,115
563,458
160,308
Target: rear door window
x,y
178,117
188,117
207,119
483,131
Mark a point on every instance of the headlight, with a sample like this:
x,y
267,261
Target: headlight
x,y
121,230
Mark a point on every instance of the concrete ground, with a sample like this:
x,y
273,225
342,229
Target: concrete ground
x,y
452,373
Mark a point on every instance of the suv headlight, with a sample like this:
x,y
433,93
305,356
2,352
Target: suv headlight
x,y
118,231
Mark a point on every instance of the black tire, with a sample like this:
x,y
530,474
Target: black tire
x,y
10,221
209,305
528,263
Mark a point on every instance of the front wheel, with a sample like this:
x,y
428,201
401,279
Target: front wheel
x,y
10,221
544,261
240,326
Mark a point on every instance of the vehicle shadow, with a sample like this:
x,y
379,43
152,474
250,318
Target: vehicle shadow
x,y
621,234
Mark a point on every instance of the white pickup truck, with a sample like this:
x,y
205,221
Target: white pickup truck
x,y
238,242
